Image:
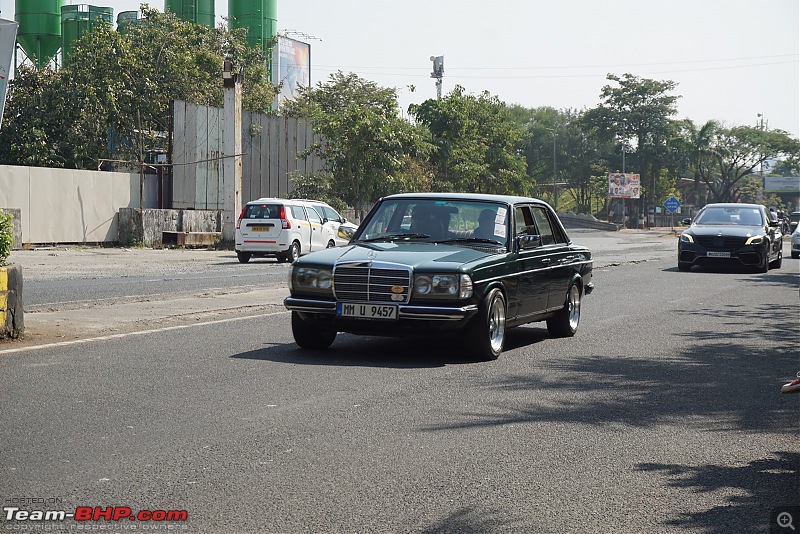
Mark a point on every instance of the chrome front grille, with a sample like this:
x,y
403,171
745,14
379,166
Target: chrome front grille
x,y
361,283
720,242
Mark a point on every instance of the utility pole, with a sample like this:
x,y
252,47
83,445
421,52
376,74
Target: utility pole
x,y
555,187
438,74
232,143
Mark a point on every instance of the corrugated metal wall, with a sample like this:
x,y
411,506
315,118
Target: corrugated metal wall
x,y
270,146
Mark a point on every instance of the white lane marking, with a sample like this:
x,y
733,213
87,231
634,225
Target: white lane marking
x,y
139,333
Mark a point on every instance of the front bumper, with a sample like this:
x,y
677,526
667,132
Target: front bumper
x,y
327,309
748,256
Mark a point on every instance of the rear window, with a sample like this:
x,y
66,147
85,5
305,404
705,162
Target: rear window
x,y
262,211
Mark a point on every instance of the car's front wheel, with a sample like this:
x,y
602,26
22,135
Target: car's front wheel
x,y
764,266
565,322
778,262
486,333
684,266
308,335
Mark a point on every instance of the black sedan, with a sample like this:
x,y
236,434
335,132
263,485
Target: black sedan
x,y
738,234
428,264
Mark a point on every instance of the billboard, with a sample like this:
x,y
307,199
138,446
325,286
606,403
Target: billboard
x,y
621,185
782,184
291,66
8,36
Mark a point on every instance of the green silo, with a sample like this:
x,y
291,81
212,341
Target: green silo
x,y
197,11
260,17
39,32
125,18
77,19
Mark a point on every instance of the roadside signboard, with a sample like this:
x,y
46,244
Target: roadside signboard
x,y
621,185
672,204
8,36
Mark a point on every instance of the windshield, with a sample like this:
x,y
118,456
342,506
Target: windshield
x,y
730,216
437,220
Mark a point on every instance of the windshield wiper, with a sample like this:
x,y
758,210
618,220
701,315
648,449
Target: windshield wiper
x,y
473,240
392,237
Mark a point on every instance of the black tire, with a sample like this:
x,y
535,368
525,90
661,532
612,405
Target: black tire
x,y
294,252
244,257
308,335
486,333
281,257
778,262
331,244
795,255
565,322
684,266
764,267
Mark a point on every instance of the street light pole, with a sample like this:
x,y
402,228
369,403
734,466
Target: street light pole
x,y
555,190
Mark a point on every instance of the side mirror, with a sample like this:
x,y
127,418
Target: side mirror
x,y
687,221
527,241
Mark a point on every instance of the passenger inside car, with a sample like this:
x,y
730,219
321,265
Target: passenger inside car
x,y
425,221
485,228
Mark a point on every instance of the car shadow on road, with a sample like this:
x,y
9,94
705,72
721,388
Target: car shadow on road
x,y
784,276
369,351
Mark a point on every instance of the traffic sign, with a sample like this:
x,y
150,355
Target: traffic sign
x,y
672,204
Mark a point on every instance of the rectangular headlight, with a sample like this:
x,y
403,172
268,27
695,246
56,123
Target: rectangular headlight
x,y
312,279
446,286
755,240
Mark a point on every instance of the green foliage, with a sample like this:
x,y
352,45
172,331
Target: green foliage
x,y
114,98
6,236
367,145
477,143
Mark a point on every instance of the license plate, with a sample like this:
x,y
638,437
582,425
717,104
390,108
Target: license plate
x,y
712,254
260,228
366,311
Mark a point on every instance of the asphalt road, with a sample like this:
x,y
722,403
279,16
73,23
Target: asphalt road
x,y
662,414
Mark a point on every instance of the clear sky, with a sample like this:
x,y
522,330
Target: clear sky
x,y
732,59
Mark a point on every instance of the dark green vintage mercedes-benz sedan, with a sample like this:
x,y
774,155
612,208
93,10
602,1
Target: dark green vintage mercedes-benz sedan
x,y
433,263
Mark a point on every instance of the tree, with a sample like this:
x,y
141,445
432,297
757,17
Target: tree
x,y
115,95
735,153
638,109
477,145
694,144
366,146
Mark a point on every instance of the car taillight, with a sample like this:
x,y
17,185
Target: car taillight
x,y
285,224
241,216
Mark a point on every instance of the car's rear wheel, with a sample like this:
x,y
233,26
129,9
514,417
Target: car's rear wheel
x,y
244,257
293,253
778,262
309,335
684,266
565,322
331,244
486,333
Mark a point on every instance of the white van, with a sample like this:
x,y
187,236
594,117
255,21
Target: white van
x,y
285,229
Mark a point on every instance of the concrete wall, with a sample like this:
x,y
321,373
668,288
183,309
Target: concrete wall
x,y
270,147
68,205
146,227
